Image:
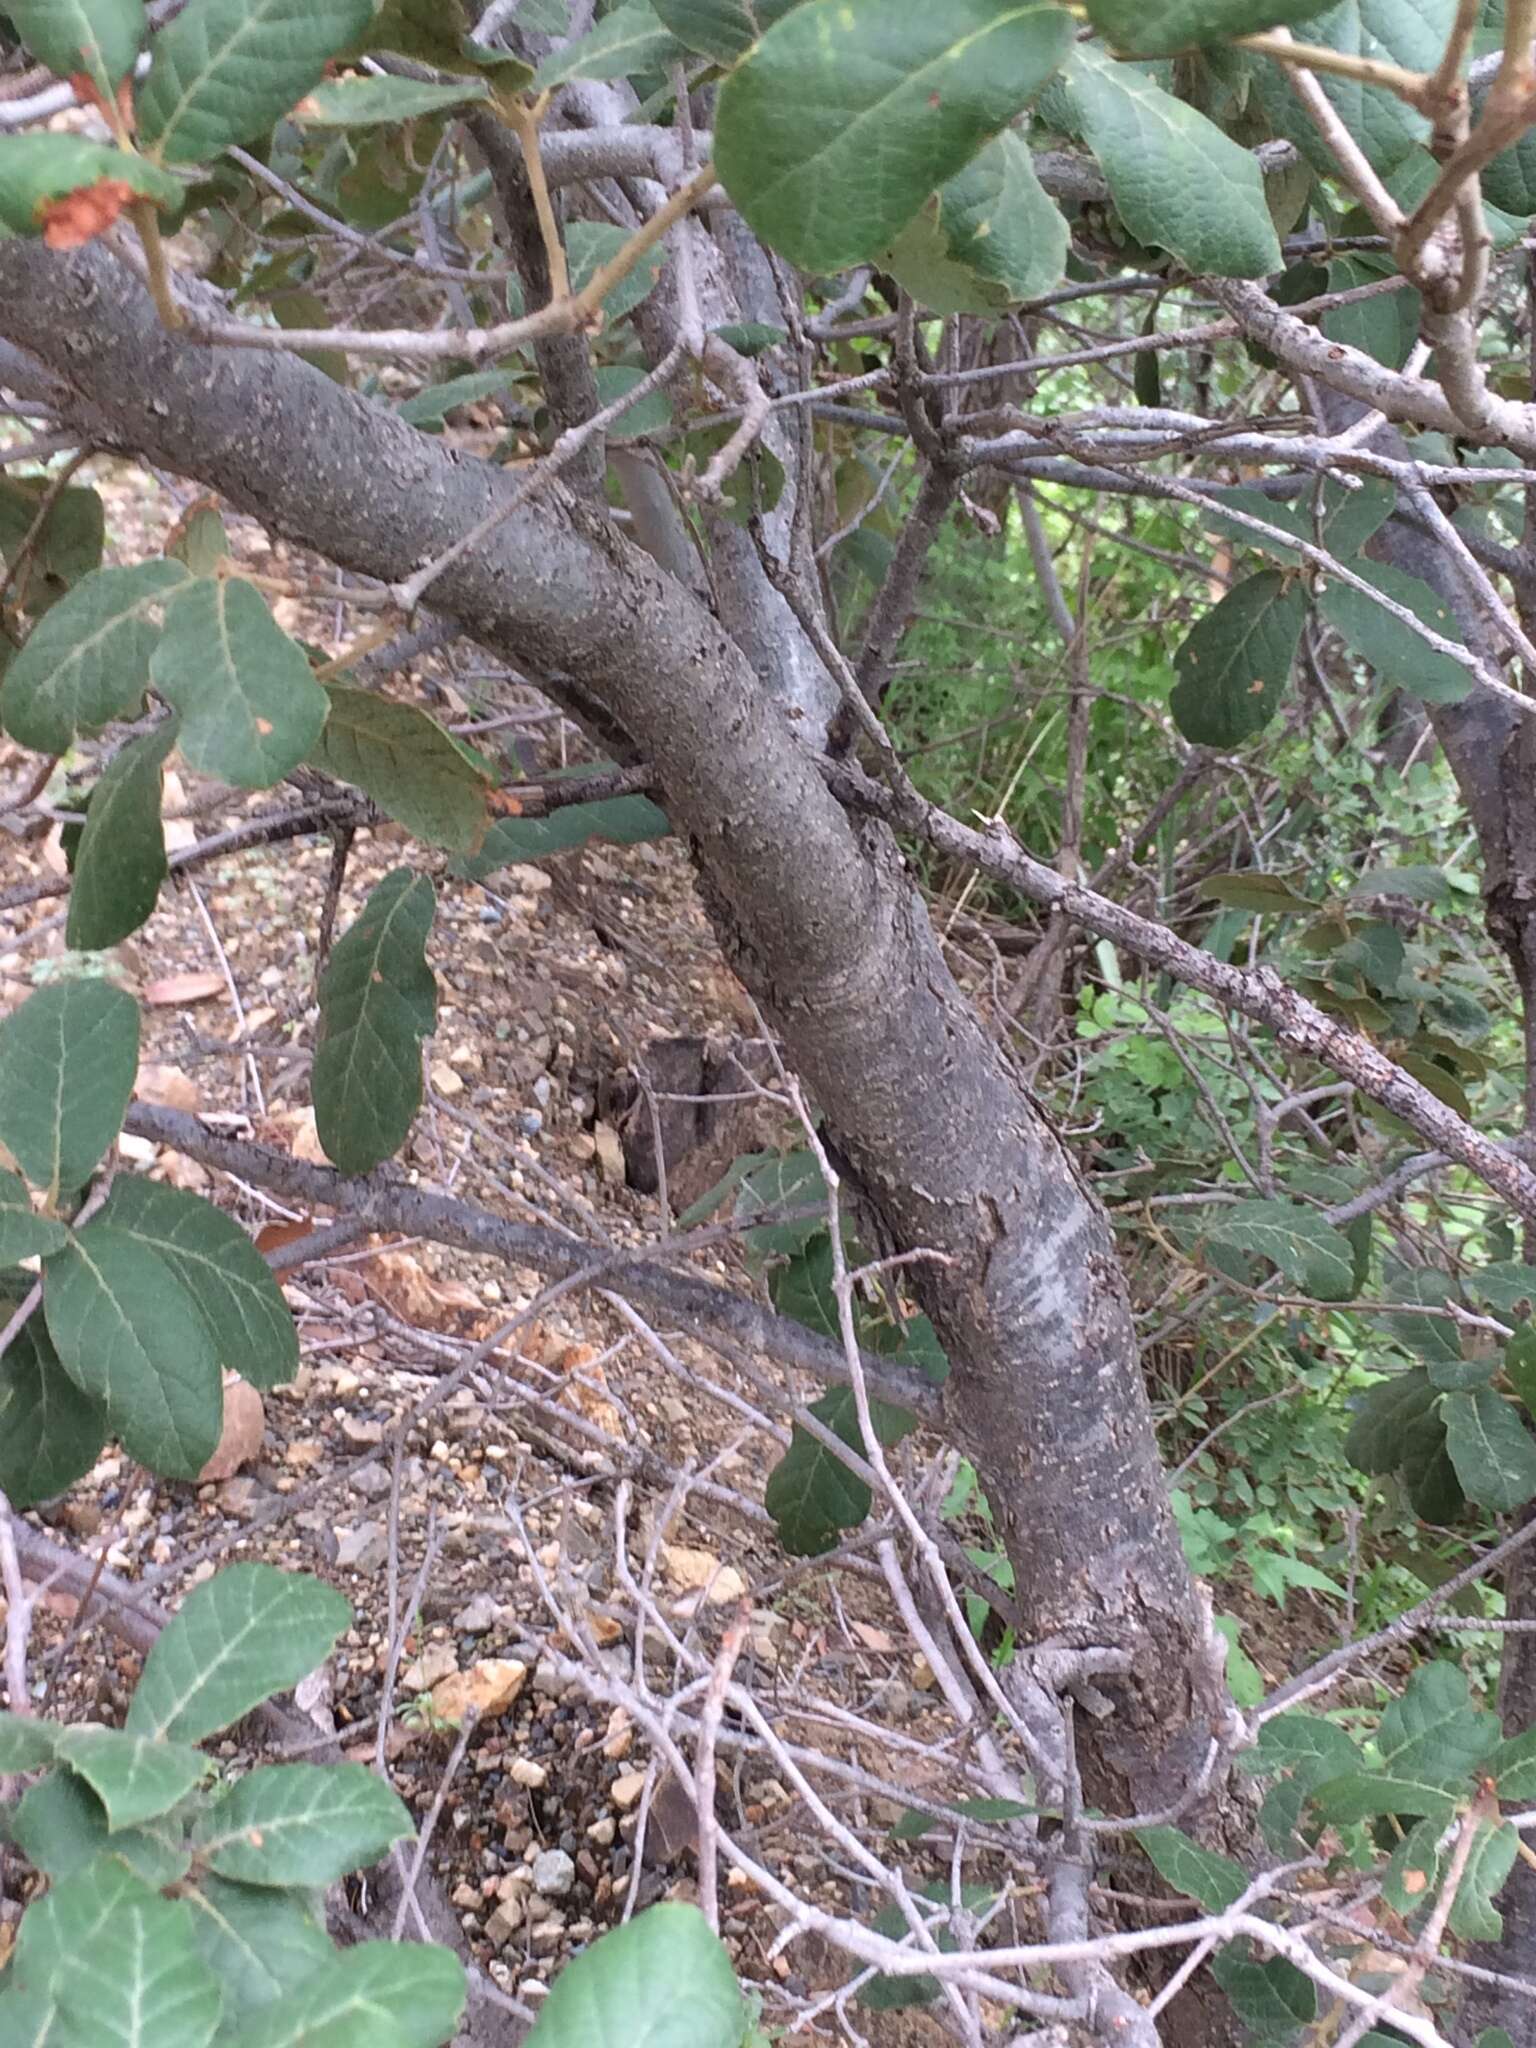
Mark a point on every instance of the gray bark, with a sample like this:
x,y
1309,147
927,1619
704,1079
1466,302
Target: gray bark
x,y
564,360
815,909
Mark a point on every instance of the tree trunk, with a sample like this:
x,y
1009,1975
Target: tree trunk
x,y
816,911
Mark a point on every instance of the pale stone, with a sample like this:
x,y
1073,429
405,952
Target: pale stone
x,y
625,1790
489,1687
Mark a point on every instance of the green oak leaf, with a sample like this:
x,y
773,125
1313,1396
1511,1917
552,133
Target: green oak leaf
x,y
120,861
300,1824
1367,1795
135,1778
1492,1450
129,1335
812,1496
361,102
1474,1917
246,1633
629,39
1400,658
141,1983
98,37
589,244
1160,28
1177,181
259,1943
378,1000
1212,1881
1520,1365
50,539
250,707
72,1913
68,1057
231,1284
722,29
662,1976
24,1234
38,170
225,70
86,661
1411,33
1433,1726
380,1994
1234,665
1312,1255
1000,222
199,541
1386,326
625,820
846,114
26,1743
51,1433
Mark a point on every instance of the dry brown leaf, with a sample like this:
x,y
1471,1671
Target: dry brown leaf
x,y
402,1283
272,1235
297,1127
873,1638
245,1422
193,987
406,1286
185,1173
167,1086
586,1397
78,217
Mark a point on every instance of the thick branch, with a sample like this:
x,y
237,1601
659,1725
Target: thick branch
x,y
816,910
384,1202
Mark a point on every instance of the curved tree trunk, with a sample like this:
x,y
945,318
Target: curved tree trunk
x,y
816,911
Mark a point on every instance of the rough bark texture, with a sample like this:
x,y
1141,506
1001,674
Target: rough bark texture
x,y
818,914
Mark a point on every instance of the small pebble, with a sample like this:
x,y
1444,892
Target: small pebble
x,y
553,1874
476,1615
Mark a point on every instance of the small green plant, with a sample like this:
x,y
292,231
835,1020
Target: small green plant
x,y
1421,1800
422,1712
185,1910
